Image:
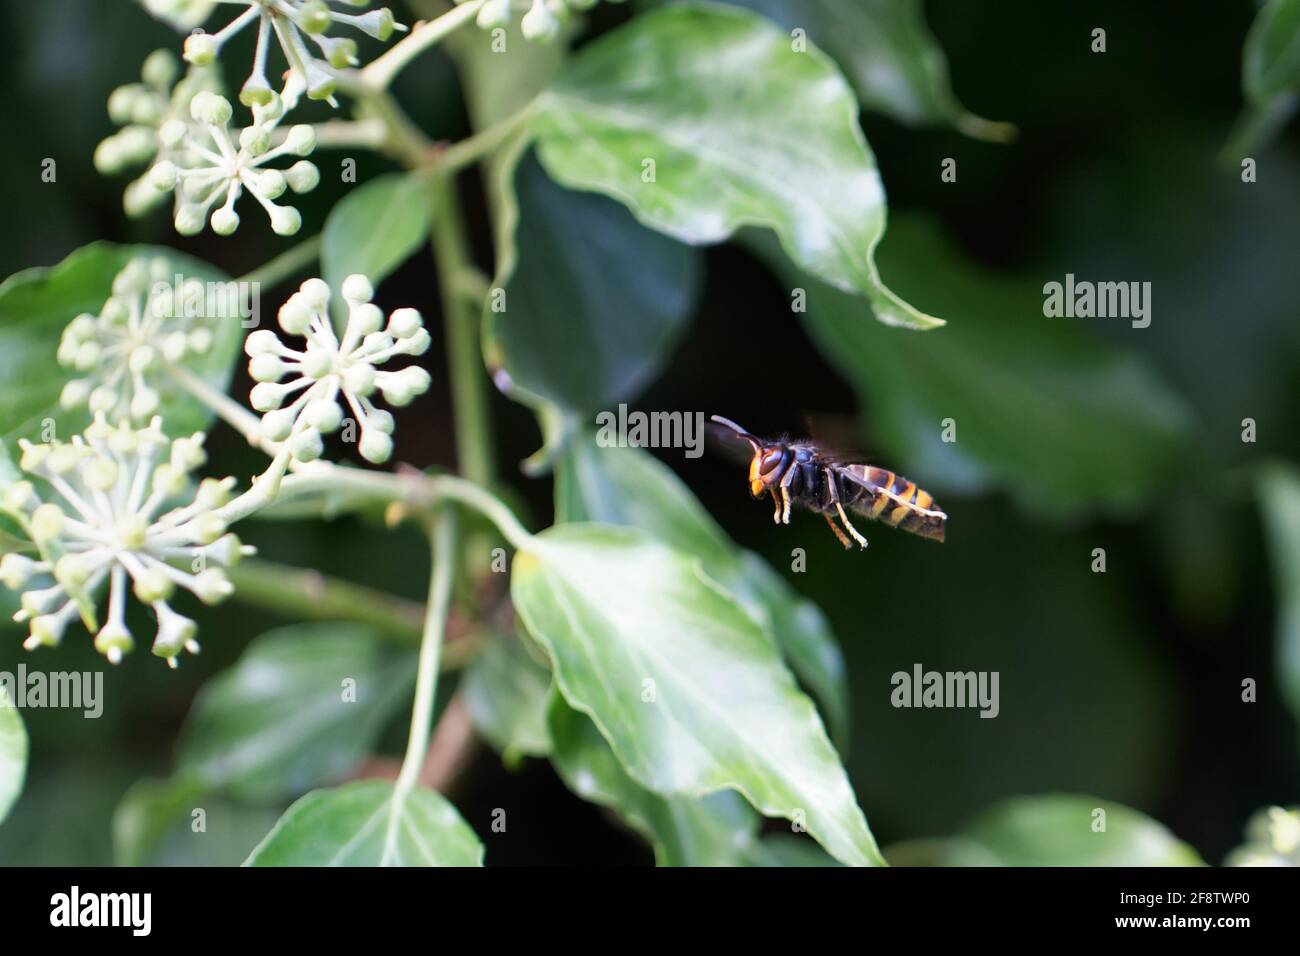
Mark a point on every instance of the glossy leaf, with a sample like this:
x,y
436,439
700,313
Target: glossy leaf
x,y
629,486
366,823
506,691
704,119
889,55
37,304
1279,496
691,694
684,831
301,707
375,228
1038,407
13,753
1065,830
577,268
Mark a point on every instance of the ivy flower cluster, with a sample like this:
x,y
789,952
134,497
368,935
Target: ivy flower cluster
x,y
542,20
296,25
1272,839
147,321
143,110
329,369
217,168
108,520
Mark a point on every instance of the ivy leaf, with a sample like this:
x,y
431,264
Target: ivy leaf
x,y
1270,77
154,824
1279,496
37,304
576,267
889,55
691,694
302,706
375,228
368,823
505,691
709,831
703,120
629,486
1036,406
1063,830
13,753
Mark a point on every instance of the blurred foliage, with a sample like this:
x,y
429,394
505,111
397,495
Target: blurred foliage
x,y
1072,435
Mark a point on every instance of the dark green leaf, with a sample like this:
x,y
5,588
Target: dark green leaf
x,y
301,707
1270,77
1038,406
740,129
367,823
591,302
691,694
176,823
37,304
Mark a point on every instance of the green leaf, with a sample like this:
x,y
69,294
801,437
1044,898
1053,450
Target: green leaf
x,y
367,823
1063,830
505,691
708,831
1279,498
301,707
593,302
35,306
629,486
691,694
13,753
1040,408
1270,63
889,55
741,129
783,849
375,228
1270,77
156,824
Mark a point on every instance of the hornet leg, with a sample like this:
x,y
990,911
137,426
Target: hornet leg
x,y
776,515
844,539
839,508
786,481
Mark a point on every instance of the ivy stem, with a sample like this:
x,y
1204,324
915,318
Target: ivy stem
x,y
426,681
469,384
289,263
226,408
381,71
310,595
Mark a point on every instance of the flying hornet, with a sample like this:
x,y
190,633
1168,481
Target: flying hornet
x,y
801,473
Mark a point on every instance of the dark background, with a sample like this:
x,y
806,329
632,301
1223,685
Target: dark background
x,y
1124,685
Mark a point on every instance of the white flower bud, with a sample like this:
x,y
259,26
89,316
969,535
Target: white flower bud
x,y
152,586
357,288
285,220
404,323
162,176
16,570
364,318
266,367
114,641
296,313
212,586
278,424
74,393
306,445
225,221
316,293
262,342
324,415
539,24
47,522
200,49
381,420
301,140
302,176
256,140
376,446
189,219
209,108
359,379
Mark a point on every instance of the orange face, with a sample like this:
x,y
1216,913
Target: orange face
x,y
763,471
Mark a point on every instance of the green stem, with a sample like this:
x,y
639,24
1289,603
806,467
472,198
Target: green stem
x,y
381,71
226,408
310,595
469,382
286,264
426,681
